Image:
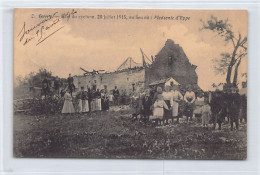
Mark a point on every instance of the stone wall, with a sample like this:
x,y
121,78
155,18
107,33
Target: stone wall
x,y
124,80
171,61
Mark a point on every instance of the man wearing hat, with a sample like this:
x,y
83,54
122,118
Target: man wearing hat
x,y
116,96
218,106
146,106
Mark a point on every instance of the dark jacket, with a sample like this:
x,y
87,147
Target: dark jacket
x,y
146,105
116,92
70,80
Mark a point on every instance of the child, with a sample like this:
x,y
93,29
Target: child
x,y
62,93
158,110
206,114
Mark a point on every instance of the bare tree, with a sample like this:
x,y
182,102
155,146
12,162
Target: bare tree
x,y
228,61
221,65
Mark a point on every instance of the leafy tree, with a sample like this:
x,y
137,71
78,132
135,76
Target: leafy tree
x,y
18,81
229,61
35,79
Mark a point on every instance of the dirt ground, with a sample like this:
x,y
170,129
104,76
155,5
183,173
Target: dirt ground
x,y
113,134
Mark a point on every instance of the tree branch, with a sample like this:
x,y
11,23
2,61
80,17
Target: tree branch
x,y
239,38
244,47
243,41
233,42
240,57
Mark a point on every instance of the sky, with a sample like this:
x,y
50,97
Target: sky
x,y
80,41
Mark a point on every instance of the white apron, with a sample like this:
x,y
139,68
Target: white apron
x,y
99,107
175,107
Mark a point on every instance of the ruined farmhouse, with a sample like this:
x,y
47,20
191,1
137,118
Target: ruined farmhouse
x,y
170,62
130,79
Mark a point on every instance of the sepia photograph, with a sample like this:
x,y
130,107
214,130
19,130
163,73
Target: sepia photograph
x,y
130,84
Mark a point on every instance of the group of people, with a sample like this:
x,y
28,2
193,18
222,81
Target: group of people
x,y
164,105
230,104
86,101
161,105
90,100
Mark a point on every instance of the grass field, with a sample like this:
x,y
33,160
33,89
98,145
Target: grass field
x,y
112,134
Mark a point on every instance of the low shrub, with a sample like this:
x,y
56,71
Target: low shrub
x,y
43,106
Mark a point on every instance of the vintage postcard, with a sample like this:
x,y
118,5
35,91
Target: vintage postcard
x,y
130,84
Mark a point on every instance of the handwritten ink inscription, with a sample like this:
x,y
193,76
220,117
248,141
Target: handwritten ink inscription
x,y
41,31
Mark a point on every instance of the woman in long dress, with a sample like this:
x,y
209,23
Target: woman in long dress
x,y
68,107
158,109
199,102
98,100
175,99
83,101
104,100
93,100
167,95
206,114
135,106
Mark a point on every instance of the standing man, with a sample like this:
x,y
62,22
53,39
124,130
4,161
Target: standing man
x,y
89,94
217,108
243,104
104,99
147,106
71,84
124,97
93,100
45,87
57,85
234,107
116,95
70,80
